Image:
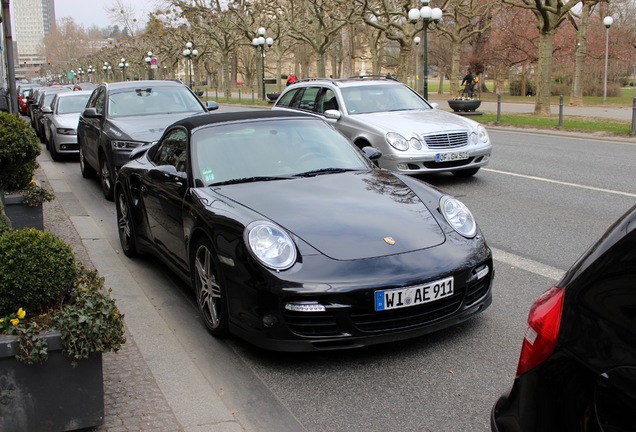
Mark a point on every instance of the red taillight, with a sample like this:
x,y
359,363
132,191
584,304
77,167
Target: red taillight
x,y
541,335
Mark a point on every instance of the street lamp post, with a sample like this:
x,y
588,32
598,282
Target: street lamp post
x,y
417,41
257,42
607,22
148,60
430,18
189,54
90,73
123,65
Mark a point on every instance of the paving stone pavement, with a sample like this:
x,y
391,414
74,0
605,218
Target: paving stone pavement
x,y
132,399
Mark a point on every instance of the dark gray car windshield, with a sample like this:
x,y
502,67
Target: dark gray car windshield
x,y
152,100
364,99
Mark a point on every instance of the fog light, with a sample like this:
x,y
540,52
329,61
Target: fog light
x,y
305,307
482,272
402,167
269,320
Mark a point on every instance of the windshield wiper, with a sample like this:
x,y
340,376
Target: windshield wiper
x,y
250,180
324,171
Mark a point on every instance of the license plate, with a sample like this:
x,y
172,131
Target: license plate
x,y
447,157
413,296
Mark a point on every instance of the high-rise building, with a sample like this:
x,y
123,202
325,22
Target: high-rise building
x,y
33,20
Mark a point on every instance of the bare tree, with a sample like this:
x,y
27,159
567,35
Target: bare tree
x,y
549,14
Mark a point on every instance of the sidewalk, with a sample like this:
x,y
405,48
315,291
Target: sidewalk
x,y
618,113
139,395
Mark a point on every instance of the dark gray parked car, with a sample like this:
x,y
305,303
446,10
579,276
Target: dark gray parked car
x,y
122,116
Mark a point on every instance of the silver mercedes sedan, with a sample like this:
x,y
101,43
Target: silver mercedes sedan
x,y
413,135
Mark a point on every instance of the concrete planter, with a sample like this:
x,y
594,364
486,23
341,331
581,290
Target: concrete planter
x,y
52,396
272,97
22,215
459,105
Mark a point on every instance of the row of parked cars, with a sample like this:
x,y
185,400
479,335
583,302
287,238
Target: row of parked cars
x,y
293,238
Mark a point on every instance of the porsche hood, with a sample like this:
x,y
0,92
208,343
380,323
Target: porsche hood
x,y
345,216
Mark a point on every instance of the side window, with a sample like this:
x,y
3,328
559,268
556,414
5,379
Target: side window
x,y
308,99
172,151
287,98
97,101
328,101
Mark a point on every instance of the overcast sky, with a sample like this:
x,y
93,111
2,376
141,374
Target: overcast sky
x,y
93,12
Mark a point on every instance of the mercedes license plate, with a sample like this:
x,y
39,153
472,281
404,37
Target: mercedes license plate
x,y
448,157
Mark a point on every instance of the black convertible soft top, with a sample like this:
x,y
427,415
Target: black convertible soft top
x,y
199,120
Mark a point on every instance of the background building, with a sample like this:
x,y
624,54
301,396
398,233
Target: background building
x,y
33,20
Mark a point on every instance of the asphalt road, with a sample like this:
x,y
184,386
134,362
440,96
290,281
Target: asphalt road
x,y
540,203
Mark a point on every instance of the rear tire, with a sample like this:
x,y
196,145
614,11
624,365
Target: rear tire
x,y
105,178
465,173
87,170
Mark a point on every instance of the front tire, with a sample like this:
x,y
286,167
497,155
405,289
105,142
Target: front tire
x,y
125,226
53,150
465,173
105,178
209,291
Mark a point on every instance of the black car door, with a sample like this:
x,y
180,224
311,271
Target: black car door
x,y
90,128
163,189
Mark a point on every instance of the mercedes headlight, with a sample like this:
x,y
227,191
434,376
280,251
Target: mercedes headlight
x,y
483,135
271,245
397,141
458,216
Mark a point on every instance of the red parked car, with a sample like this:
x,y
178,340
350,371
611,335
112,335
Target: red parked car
x,y
22,100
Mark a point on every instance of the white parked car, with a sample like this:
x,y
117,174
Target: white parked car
x,y
60,122
413,135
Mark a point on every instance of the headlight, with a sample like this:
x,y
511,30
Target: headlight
x,y
271,245
415,144
483,135
397,141
125,145
458,216
66,131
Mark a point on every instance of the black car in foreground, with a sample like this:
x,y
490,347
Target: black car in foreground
x,y
577,369
293,240
122,116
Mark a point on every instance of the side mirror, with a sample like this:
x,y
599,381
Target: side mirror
x,y
212,105
372,153
46,110
91,113
434,105
139,151
333,114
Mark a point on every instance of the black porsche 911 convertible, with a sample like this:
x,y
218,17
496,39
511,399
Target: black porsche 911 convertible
x,y
294,240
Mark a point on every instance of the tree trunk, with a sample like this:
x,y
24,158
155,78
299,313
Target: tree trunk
x,y
456,77
580,54
544,74
404,60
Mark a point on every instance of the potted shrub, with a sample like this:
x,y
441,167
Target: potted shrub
x,y
20,194
56,320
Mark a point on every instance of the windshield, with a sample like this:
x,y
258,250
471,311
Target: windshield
x,y
364,99
72,104
152,100
265,150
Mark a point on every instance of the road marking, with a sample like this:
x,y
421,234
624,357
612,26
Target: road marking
x,y
631,195
527,264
